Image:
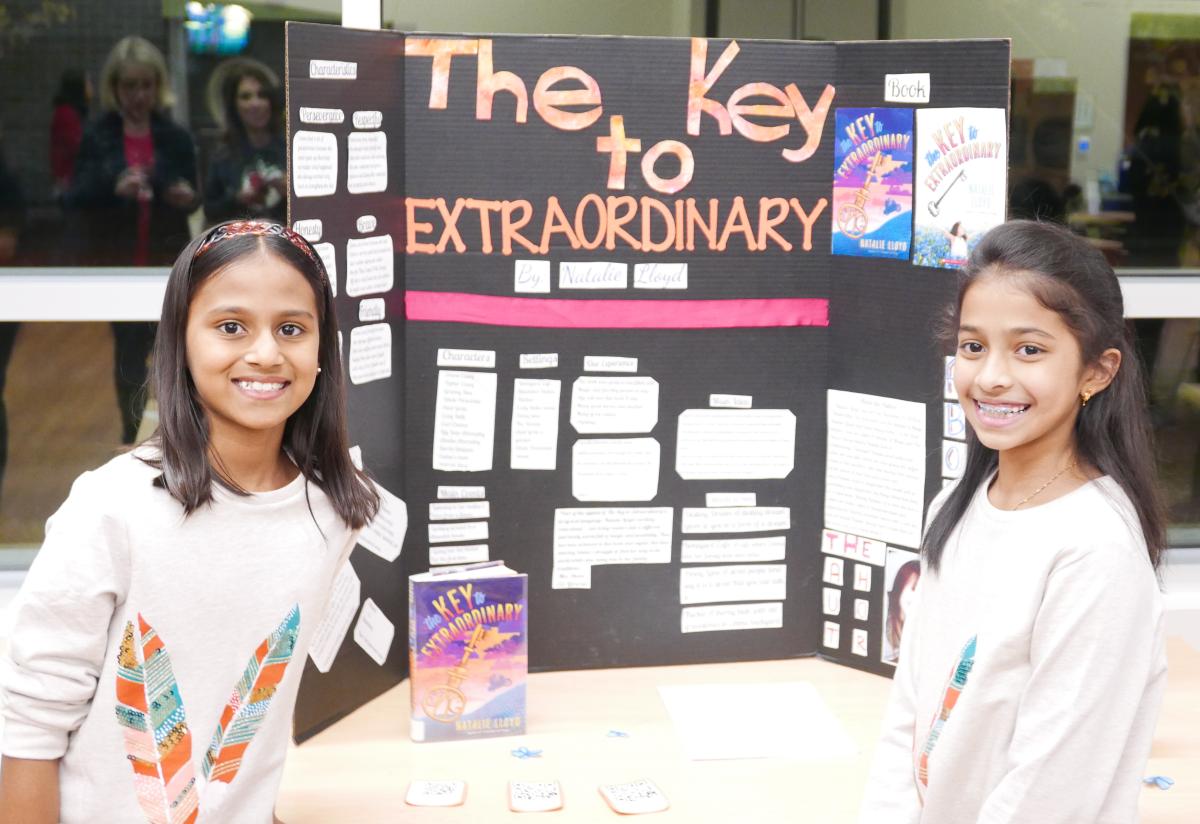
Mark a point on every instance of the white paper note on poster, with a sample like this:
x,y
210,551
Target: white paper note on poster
x,y
459,511
371,309
660,276
736,519
832,635
365,224
733,550
314,164
954,422
370,353
948,391
385,534
534,443
328,256
731,617
459,531
459,493
467,358
367,120
465,421
310,229
724,401
858,641
614,406
458,554
374,632
875,467
730,499
369,265
746,582
332,70
735,444
539,360
531,276
339,613
853,547
609,363
356,456
593,275
584,537
954,461
834,571
366,162
313,115
615,469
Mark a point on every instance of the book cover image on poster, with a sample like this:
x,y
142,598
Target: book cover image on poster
x,y
467,652
961,175
872,182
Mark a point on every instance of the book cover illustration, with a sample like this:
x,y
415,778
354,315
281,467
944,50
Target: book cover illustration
x,y
872,182
468,653
961,174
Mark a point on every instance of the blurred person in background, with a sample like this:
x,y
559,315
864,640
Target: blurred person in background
x,y
135,184
247,176
71,103
12,217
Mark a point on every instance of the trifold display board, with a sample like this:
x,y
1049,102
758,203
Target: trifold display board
x,y
641,318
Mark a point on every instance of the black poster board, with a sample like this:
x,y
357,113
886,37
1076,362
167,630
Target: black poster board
x,y
699,283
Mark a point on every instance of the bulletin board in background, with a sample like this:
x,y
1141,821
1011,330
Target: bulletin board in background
x,y
617,330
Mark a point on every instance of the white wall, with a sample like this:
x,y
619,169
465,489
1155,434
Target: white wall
x,y
673,18
1091,35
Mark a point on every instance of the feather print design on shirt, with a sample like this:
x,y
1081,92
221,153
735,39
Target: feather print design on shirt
x,y
251,699
958,680
158,743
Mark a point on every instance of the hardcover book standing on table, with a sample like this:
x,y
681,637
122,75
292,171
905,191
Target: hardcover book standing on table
x,y
467,652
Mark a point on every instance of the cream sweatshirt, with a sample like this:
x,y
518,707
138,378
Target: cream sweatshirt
x,y
1031,671
159,656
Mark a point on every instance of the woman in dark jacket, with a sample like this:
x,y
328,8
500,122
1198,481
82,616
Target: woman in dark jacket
x,y
247,175
134,186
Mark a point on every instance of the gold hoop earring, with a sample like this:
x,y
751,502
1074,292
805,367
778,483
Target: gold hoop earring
x,y
1084,397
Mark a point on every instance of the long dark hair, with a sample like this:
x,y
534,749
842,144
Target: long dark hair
x,y
1067,275
235,133
315,434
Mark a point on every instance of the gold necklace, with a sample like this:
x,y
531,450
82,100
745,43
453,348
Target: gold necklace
x,y
1039,490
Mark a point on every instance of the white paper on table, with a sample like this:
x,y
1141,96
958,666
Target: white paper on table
x,y
615,469
465,421
339,612
727,550
366,162
736,519
534,441
459,511
731,617
875,467
314,164
584,537
370,265
617,406
370,353
744,582
458,531
385,534
374,632
712,722
735,443
458,554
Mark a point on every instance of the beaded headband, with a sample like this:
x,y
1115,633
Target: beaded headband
x,y
257,227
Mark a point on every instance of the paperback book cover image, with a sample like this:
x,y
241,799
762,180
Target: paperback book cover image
x,y
873,182
468,652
